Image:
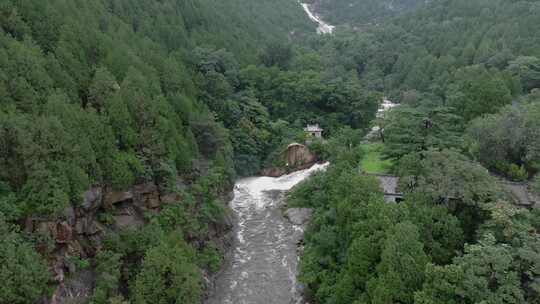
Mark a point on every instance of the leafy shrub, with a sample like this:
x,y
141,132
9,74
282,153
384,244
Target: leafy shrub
x,y
535,186
320,148
168,274
8,206
108,271
23,272
500,166
517,173
124,170
209,258
76,263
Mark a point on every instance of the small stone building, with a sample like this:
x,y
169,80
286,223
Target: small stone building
x,y
313,131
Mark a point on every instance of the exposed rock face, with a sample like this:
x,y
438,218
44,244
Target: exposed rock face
x,y
170,198
299,216
522,194
296,157
76,287
114,197
63,233
274,172
92,199
78,233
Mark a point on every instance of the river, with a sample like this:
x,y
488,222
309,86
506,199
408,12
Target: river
x,y
323,27
263,265
384,107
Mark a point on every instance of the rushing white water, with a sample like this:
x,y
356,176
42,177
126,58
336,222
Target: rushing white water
x,y
263,266
323,28
385,106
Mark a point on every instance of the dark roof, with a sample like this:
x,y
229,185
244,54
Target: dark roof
x,y
520,192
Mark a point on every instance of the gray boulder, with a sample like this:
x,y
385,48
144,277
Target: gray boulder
x,y
92,199
299,216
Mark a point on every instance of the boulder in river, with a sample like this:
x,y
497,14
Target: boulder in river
x,y
299,216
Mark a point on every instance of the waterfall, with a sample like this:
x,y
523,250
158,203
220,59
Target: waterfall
x,y
323,27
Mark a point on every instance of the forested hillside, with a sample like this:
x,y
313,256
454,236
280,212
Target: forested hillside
x,y
466,74
362,12
105,95
123,125
107,92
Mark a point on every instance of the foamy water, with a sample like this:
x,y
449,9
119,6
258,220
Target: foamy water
x,y
263,267
323,27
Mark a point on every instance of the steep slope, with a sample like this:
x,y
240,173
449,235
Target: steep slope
x,y
361,12
466,73
110,159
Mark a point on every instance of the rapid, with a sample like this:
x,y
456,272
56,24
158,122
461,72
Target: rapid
x,y
323,27
262,268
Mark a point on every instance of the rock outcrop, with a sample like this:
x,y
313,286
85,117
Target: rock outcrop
x,y
78,233
298,216
274,172
296,157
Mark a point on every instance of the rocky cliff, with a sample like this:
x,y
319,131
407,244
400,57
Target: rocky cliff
x,y
78,234
295,157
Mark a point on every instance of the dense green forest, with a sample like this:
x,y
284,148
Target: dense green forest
x,y
466,74
355,13
132,103
155,108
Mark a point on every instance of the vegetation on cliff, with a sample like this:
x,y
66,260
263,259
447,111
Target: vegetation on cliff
x,y
363,12
124,123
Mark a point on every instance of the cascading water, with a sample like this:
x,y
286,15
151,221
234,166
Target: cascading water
x,y
323,27
384,107
263,266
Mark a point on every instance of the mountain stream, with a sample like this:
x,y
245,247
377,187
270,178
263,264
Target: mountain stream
x,y
323,27
263,265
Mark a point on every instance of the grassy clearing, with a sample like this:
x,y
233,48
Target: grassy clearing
x,y
372,161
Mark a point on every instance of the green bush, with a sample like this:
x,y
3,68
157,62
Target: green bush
x,y
23,272
124,170
209,258
320,148
517,173
8,203
168,274
108,271
500,166
535,185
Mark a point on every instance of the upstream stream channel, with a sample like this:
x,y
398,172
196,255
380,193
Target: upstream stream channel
x,y
263,265
323,27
